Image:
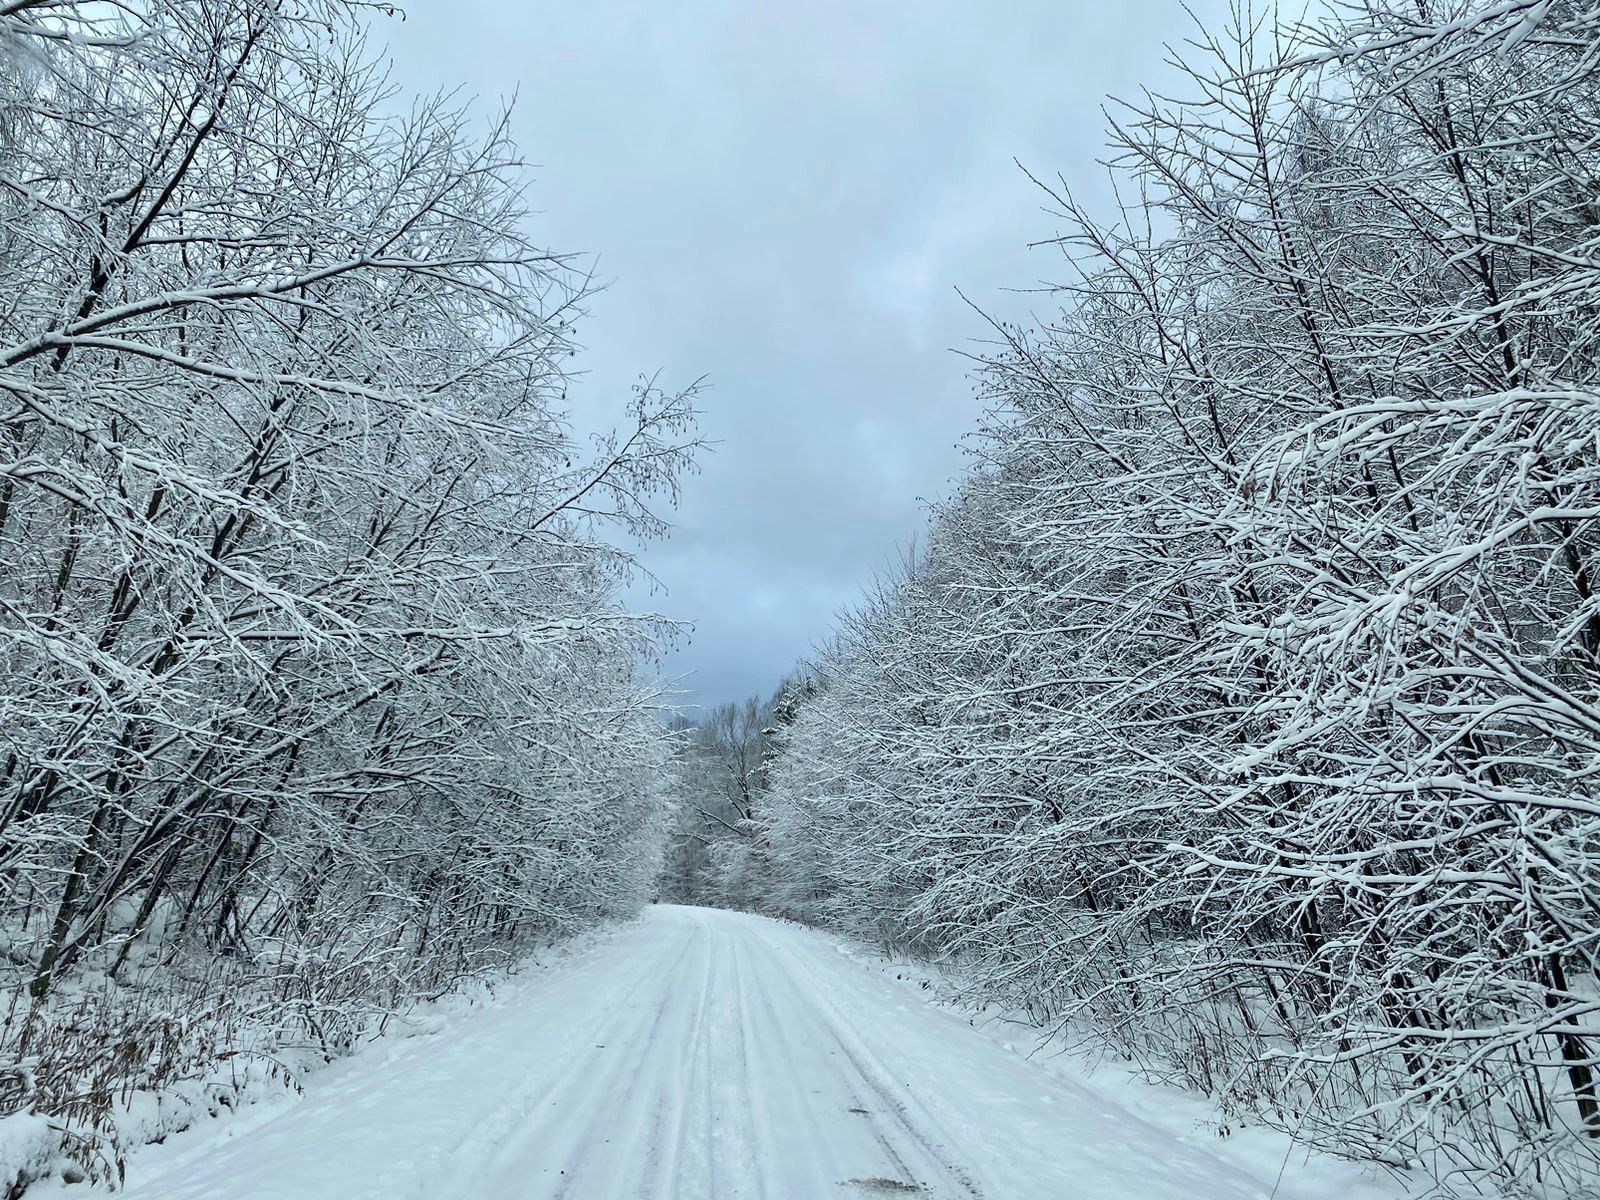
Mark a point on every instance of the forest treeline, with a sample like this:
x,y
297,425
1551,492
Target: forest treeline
x,y
1239,708
316,693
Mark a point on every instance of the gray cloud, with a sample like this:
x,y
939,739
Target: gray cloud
x,y
784,198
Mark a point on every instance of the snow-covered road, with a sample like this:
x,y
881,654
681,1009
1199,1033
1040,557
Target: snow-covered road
x,y
698,1054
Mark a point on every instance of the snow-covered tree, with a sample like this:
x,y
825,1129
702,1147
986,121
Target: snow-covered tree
x,y
1242,705
317,687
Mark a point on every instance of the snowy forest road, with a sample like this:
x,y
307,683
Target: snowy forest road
x,y
699,1055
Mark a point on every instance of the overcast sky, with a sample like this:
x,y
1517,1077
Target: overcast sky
x,y
783,196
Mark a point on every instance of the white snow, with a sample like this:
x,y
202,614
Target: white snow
x,y
27,1148
708,1054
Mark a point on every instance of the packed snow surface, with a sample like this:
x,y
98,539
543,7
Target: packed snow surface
x,y
701,1055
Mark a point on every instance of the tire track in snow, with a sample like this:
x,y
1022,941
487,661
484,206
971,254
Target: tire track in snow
x,y
610,1099
664,1163
757,1138
912,1144
500,1132
816,1170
